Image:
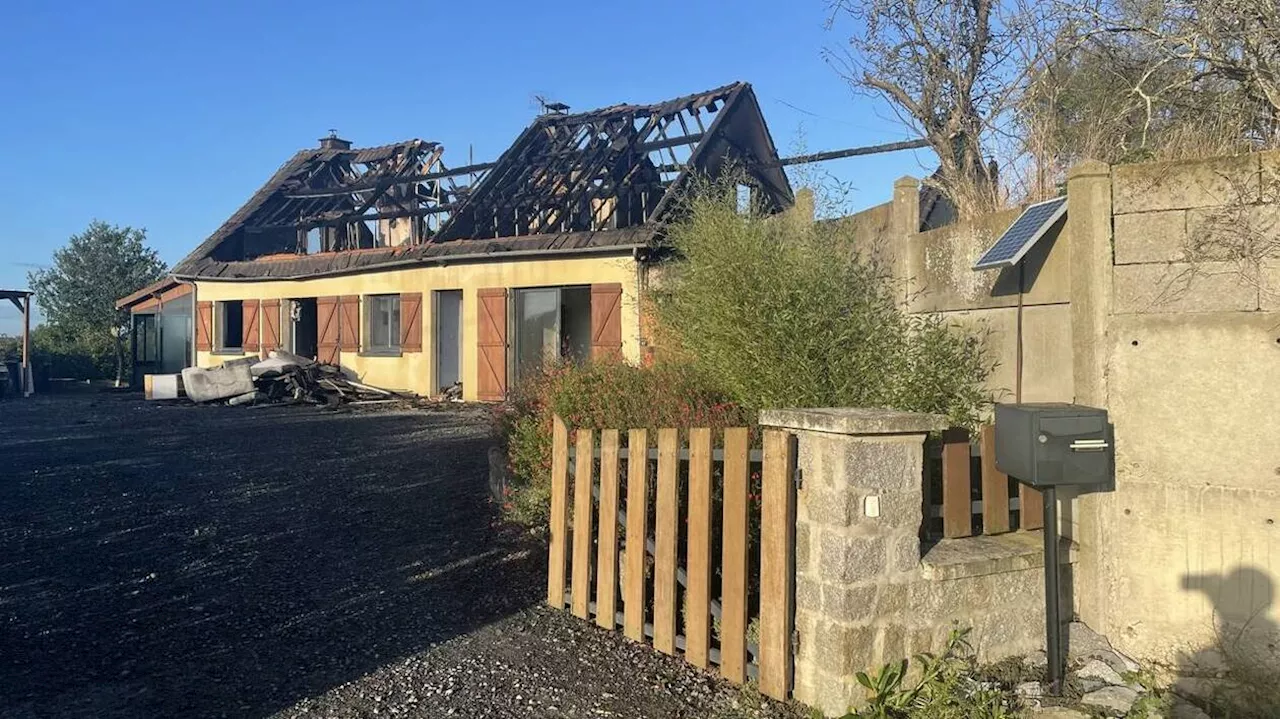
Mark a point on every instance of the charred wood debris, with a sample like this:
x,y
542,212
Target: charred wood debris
x,y
286,378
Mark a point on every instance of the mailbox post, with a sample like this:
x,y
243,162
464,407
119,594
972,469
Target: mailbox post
x,y
1048,445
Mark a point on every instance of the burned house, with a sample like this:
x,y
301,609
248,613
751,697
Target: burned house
x,y
415,275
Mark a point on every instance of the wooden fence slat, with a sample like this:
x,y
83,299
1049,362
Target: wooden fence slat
x,y
583,532
559,519
1031,504
733,579
633,590
776,564
697,617
995,487
665,539
956,518
607,551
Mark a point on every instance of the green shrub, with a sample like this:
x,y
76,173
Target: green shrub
x,y
783,313
604,395
57,353
755,312
949,687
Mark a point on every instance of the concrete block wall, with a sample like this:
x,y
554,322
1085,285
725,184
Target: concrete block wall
x,y
935,269
1185,234
1181,564
864,595
1144,303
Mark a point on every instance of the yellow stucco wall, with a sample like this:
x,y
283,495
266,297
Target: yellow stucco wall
x,y
412,371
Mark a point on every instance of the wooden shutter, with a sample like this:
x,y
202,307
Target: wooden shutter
x,y
411,322
491,374
349,335
270,326
204,326
249,329
606,321
327,344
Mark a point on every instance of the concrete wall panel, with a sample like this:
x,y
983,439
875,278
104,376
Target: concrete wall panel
x,y
940,267
1046,329
1184,184
1269,292
1180,569
1150,237
1182,288
1196,399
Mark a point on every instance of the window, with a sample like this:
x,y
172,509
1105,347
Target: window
x,y
742,197
383,321
146,339
230,324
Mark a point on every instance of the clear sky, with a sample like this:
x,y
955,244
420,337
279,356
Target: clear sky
x,y
168,115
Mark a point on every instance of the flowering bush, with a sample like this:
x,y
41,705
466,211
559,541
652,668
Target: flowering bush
x,y
598,395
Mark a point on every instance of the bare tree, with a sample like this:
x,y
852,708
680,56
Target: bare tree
x,y
952,70
1233,40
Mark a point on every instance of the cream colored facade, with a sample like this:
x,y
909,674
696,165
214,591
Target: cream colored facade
x,y
413,371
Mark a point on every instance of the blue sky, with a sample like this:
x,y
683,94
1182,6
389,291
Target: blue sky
x,y
168,115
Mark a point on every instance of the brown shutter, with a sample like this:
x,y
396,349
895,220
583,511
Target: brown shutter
x,y
606,321
349,336
411,322
204,326
327,344
270,326
491,374
249,329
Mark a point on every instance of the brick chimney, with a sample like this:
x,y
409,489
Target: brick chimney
x,y
333,142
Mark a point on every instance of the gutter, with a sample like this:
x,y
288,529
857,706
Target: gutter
x,y
444,260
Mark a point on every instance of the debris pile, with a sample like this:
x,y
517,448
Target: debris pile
x,y
281,378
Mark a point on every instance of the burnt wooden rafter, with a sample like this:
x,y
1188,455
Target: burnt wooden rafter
x,y
585,171
611,169
343,186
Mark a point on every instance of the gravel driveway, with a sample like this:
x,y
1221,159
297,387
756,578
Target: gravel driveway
x,y
174,561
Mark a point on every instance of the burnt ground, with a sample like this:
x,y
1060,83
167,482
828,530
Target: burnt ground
x,y
161,560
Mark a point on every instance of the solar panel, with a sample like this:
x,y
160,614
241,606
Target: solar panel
x,y
1023,234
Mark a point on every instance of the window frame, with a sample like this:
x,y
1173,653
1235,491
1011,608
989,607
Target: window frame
x,y
369,306
220,345
515,349
146,333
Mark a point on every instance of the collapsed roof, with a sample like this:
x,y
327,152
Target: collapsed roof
x,y
600,180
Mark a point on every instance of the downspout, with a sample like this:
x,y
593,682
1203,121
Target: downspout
x,y
642,341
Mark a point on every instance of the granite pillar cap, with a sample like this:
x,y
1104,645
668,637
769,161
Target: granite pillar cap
x,y
855,421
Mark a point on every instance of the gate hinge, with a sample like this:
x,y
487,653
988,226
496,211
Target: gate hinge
x,y
795,642
799,478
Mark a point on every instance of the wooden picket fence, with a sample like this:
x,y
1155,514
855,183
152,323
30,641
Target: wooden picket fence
x,y
966,495
633,552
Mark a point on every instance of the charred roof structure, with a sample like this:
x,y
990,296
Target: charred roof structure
x,y
600,180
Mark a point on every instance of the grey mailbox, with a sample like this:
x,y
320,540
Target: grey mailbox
x,y
1054,444
1047,446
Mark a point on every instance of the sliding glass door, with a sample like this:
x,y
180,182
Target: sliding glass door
x,y
550,324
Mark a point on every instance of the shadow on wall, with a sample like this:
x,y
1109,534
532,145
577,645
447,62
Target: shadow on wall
x,y
1239,676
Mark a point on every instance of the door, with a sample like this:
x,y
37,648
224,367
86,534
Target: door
x,y
491,374
328,343
146,347
537,329
448,338
551,324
